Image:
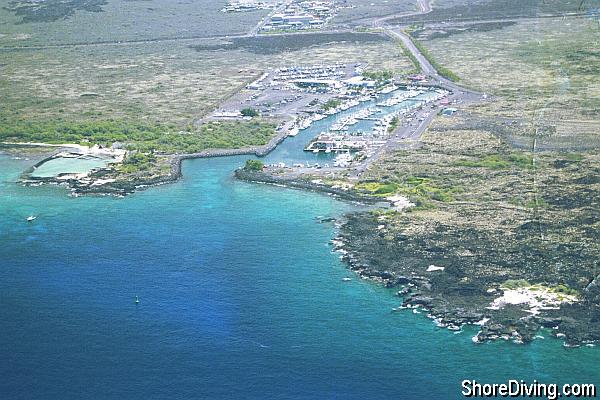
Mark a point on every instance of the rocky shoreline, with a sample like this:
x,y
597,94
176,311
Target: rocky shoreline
x,y
453,295
428,281
489,241
442,261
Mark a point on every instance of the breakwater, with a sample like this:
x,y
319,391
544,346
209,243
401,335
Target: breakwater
x,y
262,177
93,184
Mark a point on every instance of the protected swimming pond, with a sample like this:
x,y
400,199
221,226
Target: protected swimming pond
x,y
70,164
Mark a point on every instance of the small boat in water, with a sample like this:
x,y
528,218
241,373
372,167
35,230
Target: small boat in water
x,y
31,218
294,131
346,279
137,300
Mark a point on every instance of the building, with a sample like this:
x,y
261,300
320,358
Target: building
x,y
317,83
302,19
359,81
449,111
419,77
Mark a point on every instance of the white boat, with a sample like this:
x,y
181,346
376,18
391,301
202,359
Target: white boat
x,y
346,279
305,123
31,218
388,89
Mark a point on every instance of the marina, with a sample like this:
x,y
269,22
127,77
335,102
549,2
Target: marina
x,y
339,108
366,126
245,6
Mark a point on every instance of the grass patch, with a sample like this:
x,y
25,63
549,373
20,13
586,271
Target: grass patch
x,y
575,157
386,189
499,161
564,289
540,203
377,188
420,191
515,284
560,289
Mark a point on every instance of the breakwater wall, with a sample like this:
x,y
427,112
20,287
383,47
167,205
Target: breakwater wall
x,y
262,177
259,151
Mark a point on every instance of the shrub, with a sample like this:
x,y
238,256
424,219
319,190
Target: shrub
x,y
249,112
515,284
331,103
379,76
144,137
254,165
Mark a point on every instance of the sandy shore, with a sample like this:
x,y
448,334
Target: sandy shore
x,y
94,150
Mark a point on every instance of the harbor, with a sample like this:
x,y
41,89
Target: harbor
x,y
317,149
359,132
336,107
370,126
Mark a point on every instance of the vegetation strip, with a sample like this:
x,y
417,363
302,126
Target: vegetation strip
x,y
443,71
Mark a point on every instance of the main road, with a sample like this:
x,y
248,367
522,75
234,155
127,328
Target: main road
x,y
407,136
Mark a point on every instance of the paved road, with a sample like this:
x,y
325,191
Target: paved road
x,y
424,8
426,66
408,136
398,33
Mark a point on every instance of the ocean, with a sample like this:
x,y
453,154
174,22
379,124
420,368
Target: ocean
x,y
240,297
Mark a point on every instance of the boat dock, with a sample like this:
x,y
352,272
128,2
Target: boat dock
x,y
335,144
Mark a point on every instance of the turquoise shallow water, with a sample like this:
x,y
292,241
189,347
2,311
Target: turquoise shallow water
x,y
59,166
240,296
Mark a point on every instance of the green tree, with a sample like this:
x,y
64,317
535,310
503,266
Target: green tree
x,y
249,112
254,165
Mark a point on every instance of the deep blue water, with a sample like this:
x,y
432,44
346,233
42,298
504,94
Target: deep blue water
x,y
240,297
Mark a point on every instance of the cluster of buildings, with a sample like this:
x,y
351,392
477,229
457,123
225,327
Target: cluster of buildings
x,y
365,130
313,78
300,15
331,78
292,91
240,6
